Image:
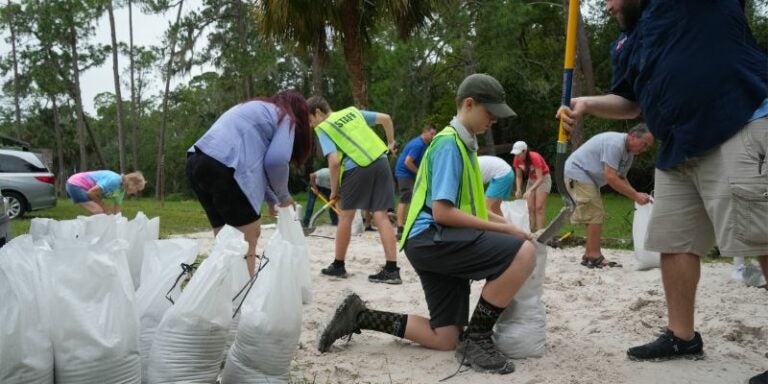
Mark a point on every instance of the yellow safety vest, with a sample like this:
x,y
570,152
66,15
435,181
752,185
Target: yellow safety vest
x,y
471,193
353,137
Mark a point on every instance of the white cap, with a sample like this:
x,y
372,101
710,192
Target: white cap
x,y
518,147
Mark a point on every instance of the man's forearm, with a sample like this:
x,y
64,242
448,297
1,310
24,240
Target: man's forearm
x,y
611,106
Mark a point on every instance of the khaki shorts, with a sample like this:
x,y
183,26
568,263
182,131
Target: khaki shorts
x,y
718,198
589,204
546,185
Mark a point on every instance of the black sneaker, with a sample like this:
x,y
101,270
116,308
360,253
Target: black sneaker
x,y
480,353
760,379
343,322
668,346
334,270
387,277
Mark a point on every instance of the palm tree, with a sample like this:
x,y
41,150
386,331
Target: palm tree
x,y
118,94
352,21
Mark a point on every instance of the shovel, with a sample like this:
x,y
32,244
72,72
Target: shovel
x,y
328,204
562,137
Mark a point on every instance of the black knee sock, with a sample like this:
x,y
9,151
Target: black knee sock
x,y
387,322
391,266
484,317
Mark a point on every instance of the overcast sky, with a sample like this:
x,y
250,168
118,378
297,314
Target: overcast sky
x,y
147,30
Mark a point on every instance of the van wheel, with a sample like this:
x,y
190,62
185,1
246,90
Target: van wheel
x,y
17,205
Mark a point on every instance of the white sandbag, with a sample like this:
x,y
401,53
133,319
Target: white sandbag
x,y
290,231
747,273
190,339
26,353
139,231
104,227
96,337
163,267
66,229
39,228
516,212
270,324
645,259
358,226
241,280
521,329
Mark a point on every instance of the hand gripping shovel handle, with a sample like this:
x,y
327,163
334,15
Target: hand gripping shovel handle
x,y
562,134
322,197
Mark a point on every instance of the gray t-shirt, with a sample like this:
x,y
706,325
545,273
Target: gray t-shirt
x,y
587,164
323,178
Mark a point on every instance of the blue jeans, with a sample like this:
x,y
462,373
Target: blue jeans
x,y
310,208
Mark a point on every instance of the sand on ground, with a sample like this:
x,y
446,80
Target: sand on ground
x,y
593,316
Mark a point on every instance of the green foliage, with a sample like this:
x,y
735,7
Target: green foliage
x,y
520,42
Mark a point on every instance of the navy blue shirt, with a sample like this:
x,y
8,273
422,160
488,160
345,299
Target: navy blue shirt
x,y
415,149
696,72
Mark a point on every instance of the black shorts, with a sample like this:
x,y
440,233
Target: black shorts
x,y
219,193
405,187
447,259
371,187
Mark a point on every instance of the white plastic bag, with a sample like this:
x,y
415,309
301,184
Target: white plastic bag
x,y
270,323
26,354
645,259
358,226
96,337
139,231
240,283
290,232
162,267
39,228
190,339
516,212
747,273
521,329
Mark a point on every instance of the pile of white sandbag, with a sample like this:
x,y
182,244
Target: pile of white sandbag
x,y
69,303
101,300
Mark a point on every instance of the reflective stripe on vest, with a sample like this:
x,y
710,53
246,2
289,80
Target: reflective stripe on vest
x,y
471,194
353,137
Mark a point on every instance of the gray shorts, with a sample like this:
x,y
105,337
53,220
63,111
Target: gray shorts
x,y
447,258
720,197
405,187
371,187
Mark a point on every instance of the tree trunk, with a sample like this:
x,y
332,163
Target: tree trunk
x,y
134,104
118,95
62,177
242,34
353,50
586,80
319,60
470,67
16,85
584,56
160,177
78,99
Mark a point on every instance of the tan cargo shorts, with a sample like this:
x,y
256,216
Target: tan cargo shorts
x,y
718,198
545,186
589,204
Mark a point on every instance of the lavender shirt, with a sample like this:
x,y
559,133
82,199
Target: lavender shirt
x,y
248,138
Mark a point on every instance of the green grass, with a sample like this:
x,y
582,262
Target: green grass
x,y
185,216
617,228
